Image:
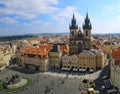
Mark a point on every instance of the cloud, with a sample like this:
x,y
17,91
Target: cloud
x,y
36,22
28,8
63,14
32,23
46,16
111,26
8,20
67,13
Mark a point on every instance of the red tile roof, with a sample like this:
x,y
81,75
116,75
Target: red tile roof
x,y
116,53
38,50
116,56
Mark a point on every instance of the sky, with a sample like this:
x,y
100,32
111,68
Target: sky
x,y
53,16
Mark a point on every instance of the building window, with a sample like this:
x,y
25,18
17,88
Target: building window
x,y
72,33
86,33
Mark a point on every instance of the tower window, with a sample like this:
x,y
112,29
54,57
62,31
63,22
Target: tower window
x,y
72,33
86,33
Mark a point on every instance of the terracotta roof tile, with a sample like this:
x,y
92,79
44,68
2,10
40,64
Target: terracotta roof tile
x,y
116,56
39,50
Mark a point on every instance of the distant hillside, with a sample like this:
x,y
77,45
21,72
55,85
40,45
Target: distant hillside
x,y
109,34
20,37
15,37
115,34
67,33
53,34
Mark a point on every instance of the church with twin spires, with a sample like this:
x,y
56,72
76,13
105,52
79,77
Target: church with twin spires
x,y
82,56
79,40
78,56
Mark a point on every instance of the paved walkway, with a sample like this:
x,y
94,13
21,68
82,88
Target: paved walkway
x,y
91,76
49,82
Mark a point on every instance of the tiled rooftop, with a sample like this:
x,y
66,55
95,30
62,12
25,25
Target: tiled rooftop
x,y
116,56
116,53
38,50
91,52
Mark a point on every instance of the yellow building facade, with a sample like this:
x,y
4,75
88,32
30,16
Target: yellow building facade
x,y
86,60
70,62
6,53
56,53
55,59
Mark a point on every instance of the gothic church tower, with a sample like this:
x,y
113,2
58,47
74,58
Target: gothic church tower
x,y
87,33
73,33
79,40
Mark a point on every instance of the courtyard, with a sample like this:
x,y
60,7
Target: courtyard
x,y
59,82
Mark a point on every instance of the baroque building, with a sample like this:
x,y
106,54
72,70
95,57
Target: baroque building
x,y
87,60
80,40
55,57
56,53
115,68
35,58
7,51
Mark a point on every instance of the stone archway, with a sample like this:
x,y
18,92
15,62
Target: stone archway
x,y
88,69
72,67
54,66
37,68
92,68
26,66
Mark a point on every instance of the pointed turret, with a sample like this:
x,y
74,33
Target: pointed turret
x,y
73,24
87,24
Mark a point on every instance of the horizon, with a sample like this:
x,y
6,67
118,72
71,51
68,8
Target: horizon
x,y
54,33
53,16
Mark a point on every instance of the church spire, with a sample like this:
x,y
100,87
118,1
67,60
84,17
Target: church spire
x,y
87,15
74,17
87,24
73,24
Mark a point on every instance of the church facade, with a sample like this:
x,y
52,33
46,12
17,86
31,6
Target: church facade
x,y
80,40
81,55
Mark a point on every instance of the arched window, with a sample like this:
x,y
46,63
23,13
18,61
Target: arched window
x,y
72,33
86,33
